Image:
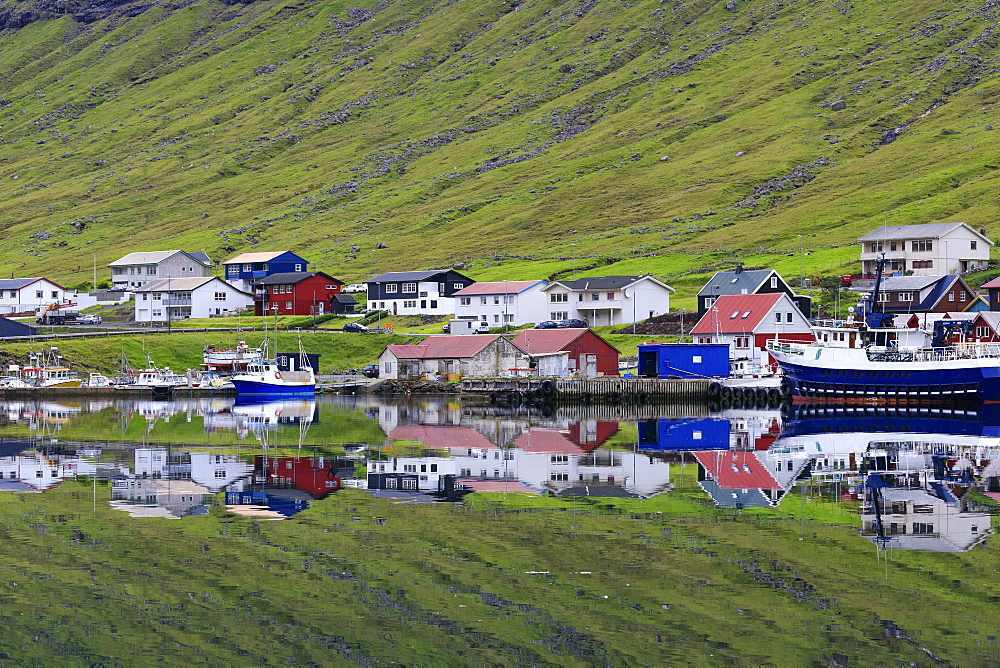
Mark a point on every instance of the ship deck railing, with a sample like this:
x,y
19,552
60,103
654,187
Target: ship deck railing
x,y
959,351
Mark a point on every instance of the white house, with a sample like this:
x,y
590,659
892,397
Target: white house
x,y
137,269
27,295
416,292
501,303
607,300
171,299
931,249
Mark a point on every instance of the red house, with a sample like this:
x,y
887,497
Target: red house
x,y
313,475
300,293
558,352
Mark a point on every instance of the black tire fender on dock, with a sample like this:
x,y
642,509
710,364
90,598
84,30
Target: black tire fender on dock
x,y
773,395
494,398
587,398
726,392
513,398
714,389
613,398
761,395
547,387
738,393
786,387
642,399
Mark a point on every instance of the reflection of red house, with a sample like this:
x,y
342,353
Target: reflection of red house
x,y
313,475
576,342
299,293
441,436
591,434
734,469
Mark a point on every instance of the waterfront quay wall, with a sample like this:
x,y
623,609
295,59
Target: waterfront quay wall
x,y
609,389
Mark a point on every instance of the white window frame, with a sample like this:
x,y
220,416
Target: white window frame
x,y
391,288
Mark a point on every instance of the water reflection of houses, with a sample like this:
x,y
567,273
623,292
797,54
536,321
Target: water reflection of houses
x,y
26,468
929,518
740,479
168,483
566,460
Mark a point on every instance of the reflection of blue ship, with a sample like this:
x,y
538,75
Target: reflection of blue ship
x,y
281,503
686,434
806,420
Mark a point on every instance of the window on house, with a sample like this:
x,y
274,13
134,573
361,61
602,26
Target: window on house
x,y
883,297
144,296
457,286
496,318
922,264
508,317
409,287
735,313
559,315
972,245
743,342
220,296
906,296
465,301
391,288
777,317
157,296
410,304
247,267
496,299
611,296
709,301
233,269
922,245
13,294
298,267
288,305
961,296
892,245
39,294
788,316
558,297
55,294
951,295
774,282
982,331
595,297
331,287
579,297
483,301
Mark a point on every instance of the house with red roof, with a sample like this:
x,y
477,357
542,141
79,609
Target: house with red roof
x,y
738,479
500,303
561,352
471,355
747,322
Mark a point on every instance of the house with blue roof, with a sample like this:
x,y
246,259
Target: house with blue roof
x,y
742,281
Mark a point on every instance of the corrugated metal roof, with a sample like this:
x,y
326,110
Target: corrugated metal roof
x,y
738,314
894,283
995,283
250,258
607,282
547,441
543,341
16,283
145,257
922,231
497,288
288,277
394,276
736,282
175,284
444,347
737,470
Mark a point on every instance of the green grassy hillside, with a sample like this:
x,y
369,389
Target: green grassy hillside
x,y
520,139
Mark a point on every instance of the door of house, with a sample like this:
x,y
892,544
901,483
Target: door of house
x,y
590,366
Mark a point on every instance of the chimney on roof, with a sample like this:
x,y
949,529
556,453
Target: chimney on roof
x,y
982,230
739,268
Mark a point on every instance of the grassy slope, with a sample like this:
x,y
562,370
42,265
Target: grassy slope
x,y
305,126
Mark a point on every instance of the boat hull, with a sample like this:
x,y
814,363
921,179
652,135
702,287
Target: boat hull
x,y
257,387
833,374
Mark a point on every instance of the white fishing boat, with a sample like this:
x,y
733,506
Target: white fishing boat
x,y
230,359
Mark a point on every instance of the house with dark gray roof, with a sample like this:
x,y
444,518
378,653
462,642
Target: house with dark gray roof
x,y
742,281
27,295
924,294
416,292
930,249
607,300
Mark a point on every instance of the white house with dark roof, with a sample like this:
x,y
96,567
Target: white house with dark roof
x,y
607,300
170,299
501,303
27,295
927,249
416,292
137,269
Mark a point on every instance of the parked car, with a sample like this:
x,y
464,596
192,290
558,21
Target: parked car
x,y
370,371
571,323
89,319
547,324
355,287
354,327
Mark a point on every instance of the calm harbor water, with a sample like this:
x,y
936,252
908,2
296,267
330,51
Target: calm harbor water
x,y
353,530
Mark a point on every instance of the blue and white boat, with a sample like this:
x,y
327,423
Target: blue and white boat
x,y
267,378
874,362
